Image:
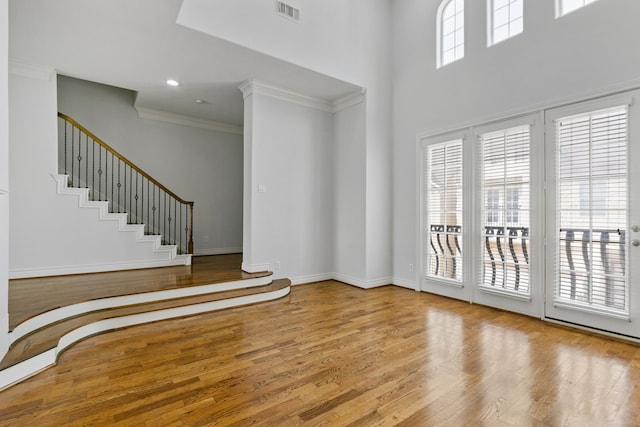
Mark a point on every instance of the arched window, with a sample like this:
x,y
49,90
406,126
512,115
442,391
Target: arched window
x,y
506,19
565,6
450,31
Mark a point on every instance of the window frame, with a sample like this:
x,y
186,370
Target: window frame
x,y
490,23
560,7
440,52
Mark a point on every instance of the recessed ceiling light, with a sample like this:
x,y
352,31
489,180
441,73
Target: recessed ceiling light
x,y
172,82
200,101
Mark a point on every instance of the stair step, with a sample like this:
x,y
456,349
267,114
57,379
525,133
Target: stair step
x,y
49,337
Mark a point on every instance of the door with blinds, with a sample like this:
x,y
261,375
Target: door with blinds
x,y
443,245
593,270
507,234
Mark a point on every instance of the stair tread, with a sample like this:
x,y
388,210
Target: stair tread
x,y
47,337
25,299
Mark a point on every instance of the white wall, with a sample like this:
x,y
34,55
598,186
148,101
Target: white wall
x,y
326,39
374,47
288,149
4,177
349,198
199,165
349,41
590,51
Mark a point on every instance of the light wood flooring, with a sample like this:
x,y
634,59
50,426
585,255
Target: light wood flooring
x,y
334,355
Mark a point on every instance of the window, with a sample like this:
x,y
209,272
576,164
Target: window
x,y
450,24
443,208
592,198
493,206
506,19
513,205
505,171
565,6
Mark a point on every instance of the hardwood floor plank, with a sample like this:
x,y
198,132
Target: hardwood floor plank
x,y
333,355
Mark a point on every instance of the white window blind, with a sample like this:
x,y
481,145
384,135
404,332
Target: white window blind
x,y
506,19
593,204
505,180
443,208
451,33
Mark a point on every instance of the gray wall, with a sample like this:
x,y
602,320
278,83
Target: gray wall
x,y
201,165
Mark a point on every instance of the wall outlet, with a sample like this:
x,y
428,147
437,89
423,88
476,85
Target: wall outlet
x,y
277,265
205,239
411,268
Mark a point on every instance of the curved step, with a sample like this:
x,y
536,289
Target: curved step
x,y
40,349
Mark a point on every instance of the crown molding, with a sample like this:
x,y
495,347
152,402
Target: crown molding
x,y
250,87
179,119
349,100
32,71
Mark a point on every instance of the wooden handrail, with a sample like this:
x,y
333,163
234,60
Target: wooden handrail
x,y
127,162
123,158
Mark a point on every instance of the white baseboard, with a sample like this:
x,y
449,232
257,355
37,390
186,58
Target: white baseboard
x,y
310,279
404,283
255,268
364,284
95,268
217,251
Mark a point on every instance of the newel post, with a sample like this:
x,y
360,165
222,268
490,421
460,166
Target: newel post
x,y
191,228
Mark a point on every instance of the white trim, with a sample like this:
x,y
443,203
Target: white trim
x,y
591,330
32,71
250,87
311,279
592,310
179,119
514,295
23,370
96,268
255,268
217,251
349,100
403,283
364,284
579,108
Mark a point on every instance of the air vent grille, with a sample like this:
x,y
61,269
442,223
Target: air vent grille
x,y
288,11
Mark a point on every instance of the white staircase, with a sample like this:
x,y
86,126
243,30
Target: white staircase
x,y
102,241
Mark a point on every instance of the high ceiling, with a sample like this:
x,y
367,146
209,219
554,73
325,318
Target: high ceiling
x,y
137,45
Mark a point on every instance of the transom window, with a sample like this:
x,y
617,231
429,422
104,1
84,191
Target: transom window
x,y
565,6
450,31
506,19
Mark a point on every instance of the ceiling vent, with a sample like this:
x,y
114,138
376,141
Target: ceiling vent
x,y
288,11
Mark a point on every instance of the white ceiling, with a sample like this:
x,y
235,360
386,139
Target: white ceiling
x,y
137,45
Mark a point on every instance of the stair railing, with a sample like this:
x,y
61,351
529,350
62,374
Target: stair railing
x,y
91,163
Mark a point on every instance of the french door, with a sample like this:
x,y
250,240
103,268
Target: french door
x,y
445,228
593,214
